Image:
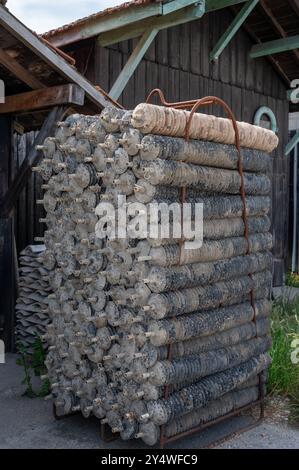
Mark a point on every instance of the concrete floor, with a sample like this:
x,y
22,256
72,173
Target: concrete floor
x,y
29,424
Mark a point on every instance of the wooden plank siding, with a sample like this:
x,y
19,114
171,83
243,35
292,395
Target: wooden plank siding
x,y
27,212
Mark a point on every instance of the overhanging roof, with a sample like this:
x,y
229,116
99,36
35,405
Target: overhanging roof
x,y
27,62
270,20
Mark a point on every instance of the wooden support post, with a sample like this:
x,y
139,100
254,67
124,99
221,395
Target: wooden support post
x,y
212,5
233,29
33,158
274,47
269,15
7,271
41,99
7,283
133,62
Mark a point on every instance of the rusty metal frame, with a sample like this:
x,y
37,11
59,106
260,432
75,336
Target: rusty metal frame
x,y
105,432
107,435
60,417
194,105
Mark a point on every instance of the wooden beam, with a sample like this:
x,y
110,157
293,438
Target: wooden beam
x,y
23,34
34,156
295,5
7,283
19,71
275,47
233,29
270,58
133,62
162,22
212,5
268,13
292,144
7,291
176,5
41,99
102,24
97,25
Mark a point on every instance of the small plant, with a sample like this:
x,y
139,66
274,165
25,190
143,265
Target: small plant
x,y
292,279
33,363
38,357
25,361
284,373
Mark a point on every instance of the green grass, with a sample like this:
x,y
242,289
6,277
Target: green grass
x,y
292,279
284,374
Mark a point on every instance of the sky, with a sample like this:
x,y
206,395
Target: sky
x,y
43,15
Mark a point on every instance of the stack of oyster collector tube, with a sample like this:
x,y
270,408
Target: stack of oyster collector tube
x,y
150,328
33,289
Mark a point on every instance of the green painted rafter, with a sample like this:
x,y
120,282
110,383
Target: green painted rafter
x,y
134,17
233,29
132,63
115,20
274,47
212,5
176,5
181,16
292,144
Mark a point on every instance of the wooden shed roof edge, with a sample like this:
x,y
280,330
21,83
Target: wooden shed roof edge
x,y
23,34
131,12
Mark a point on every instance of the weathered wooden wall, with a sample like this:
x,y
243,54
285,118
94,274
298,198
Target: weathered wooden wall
x,y
178,63
27,212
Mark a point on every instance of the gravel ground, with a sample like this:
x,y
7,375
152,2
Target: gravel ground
x,y
29,424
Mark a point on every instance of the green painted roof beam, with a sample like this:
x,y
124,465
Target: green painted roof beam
x,y
233,29
212,5
292,144
176,5
133,62
181,16
274,47
114,21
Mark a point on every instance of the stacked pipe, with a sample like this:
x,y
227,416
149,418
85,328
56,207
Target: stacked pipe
x,y
33,290
120,303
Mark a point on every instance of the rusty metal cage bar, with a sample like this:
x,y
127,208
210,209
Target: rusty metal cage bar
x,y
194,105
